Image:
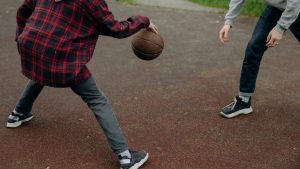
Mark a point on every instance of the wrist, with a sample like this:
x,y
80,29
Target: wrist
x,y
228,22
280,28
147,22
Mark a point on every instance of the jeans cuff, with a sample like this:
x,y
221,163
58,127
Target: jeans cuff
x,y
245,94
117,152
18,110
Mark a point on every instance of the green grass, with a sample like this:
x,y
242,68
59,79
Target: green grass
x,y
128,1
250,8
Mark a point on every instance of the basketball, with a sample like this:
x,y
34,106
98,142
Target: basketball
x,y
147,45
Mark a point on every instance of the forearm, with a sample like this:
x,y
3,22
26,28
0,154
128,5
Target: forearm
x,y
24,12
108,25
289,15
235,7
126,28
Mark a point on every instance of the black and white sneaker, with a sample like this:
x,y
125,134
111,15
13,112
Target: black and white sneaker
x,y
138,158
16,119
237,107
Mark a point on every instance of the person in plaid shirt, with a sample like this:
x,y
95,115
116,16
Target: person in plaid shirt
x,y
56,39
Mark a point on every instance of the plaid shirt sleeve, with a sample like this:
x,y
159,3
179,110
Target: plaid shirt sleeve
x,y
107,24
23,13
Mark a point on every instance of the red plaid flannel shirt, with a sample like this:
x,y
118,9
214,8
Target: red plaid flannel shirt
x,y
57,39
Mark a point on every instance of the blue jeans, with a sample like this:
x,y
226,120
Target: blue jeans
x,y
257,47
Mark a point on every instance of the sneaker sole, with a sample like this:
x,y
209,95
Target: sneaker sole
x,y
19,123
139,164
243,111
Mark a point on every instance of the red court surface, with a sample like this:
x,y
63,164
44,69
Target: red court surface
x,y
169,106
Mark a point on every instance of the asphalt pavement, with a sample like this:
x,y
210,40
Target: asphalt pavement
x,y
168,107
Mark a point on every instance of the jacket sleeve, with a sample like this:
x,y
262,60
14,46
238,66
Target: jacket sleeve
x,y
289,15
24,12
107,24
235,7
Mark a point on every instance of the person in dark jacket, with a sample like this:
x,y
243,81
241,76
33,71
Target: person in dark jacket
x,y
56,39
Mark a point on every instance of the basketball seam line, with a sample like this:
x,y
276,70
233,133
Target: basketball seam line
x,y
145,53
150,42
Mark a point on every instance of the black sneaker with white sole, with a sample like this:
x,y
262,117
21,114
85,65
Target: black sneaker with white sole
x,y
138,158
16,119
237,107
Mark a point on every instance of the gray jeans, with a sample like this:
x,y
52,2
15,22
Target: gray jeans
x,y
95,100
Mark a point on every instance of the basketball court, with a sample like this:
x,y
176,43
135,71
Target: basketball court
x,y
169,106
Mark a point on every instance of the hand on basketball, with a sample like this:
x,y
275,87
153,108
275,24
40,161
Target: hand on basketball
x,y
224,33
274,38
153,28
